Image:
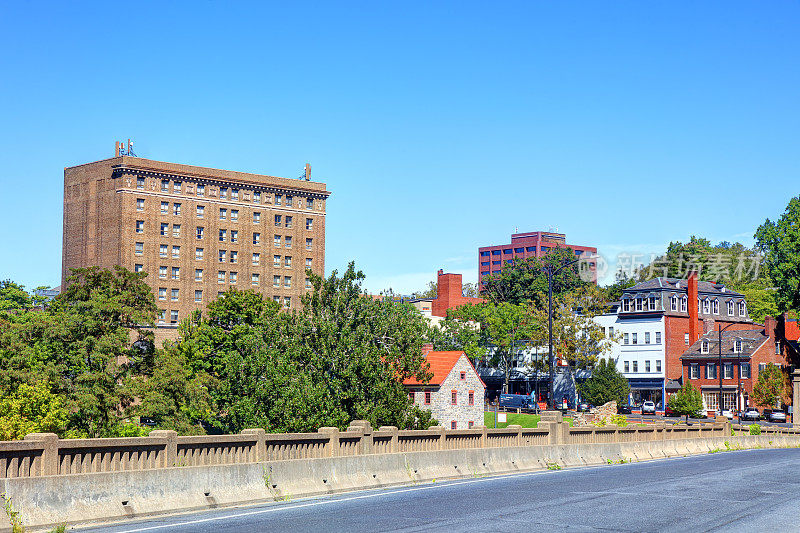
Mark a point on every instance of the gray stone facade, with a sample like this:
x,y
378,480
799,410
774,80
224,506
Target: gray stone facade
x,y
441,397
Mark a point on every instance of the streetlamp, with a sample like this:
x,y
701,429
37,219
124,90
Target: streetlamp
x,y
550,326
721,329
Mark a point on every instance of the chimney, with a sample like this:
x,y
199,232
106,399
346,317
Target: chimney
x,y
693,314
427,347
770,326
448,293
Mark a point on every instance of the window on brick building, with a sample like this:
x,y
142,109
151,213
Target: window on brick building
x,y
276,281
162,293
727,371
287,242
254,279
309,223
289,201
201,190
164,185
453,425
308,284
140,183
704,346
742,309
309,244
140,204
223,235
198,296
234,235
176,252
200,230
673,303
287,302
256,259
287,261
256,238
287,282
234,256
277,241
233,277
715,307
308,262
278,199
162,272
176,186
427,397
234,194
777,348
453,397
176,272
162,315
694,371
289,221
706,306
686,339
173,316
176,209
223,214
744,370
174,294
223,193
221,276
138,248
309,203
711,371
176,230
163,250
484,254
737,346
222,255
234,215
471,397
198,274
164,208
730,308
256,217
140,226
684,302
256,197
198,254
201,209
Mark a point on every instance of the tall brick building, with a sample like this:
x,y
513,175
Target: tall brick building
x,y
196,231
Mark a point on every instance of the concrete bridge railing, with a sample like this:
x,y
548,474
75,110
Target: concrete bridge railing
x,y
44,454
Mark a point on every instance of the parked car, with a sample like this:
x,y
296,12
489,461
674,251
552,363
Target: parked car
x,y
774,415
648,408
518,401
584,407
624,409
668,411
751,413
727,413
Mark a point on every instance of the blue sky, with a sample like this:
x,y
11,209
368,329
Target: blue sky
x,y
439,126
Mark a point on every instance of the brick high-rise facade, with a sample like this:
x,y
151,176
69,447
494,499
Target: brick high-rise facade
x,y
195,231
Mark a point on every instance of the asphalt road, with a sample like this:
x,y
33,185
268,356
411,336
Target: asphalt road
x,y
756,490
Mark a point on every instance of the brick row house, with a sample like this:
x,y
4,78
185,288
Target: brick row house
x,y
455,393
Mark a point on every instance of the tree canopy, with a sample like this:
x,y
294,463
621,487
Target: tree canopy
x,y
769,387
686,402
779,241
606,384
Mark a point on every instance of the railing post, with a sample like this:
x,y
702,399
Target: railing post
x,y
365,428
49,443
517,427
333,440
484,439
440,430
261,443
171,447
394,444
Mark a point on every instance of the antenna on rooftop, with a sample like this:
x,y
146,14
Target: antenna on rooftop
x,y
306,172
121,149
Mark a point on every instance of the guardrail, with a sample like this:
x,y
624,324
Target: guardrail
x,y
42,454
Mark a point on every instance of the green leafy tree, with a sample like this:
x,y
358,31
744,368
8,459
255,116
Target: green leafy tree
x,y
32,409
686,402
780,243
469,290
605,384
768,388
505,328
613,292
13,300
431,291
525,281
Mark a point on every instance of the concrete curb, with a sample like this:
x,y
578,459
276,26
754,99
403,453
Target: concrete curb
x,y
97,497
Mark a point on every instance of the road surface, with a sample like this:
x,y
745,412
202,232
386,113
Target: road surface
x,y
756,490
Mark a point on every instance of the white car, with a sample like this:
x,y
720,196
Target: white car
x,y
648,408
727,413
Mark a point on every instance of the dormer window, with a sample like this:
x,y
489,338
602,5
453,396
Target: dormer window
x,y
638,304
715,307
684,302
737,346
742,309
730,308
706,306
626,305
673,303
653,303
704,347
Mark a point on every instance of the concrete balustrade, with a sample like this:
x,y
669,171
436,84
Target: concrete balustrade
x,y
43,454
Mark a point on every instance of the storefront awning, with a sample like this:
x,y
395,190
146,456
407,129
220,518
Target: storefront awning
x,y
645,383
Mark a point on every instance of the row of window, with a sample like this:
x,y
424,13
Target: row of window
x,y
453,397
223,255
727,370
280,220
175,231
233,193
626,365
705,346
633,338
519,250
707,305
232,277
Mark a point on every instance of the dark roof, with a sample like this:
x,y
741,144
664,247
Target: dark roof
x,y
675,284
751,340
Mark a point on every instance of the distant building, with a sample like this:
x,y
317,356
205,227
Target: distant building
x,y
449,294
455,394
524,246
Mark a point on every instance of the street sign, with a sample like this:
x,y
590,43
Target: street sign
x,y
501,417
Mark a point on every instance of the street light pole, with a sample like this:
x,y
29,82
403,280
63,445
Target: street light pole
x,y
550,327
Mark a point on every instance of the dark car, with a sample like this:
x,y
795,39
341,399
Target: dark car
x,y
624,409
751,413
774,415
518,401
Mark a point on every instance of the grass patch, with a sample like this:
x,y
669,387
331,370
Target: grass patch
x,y
521,419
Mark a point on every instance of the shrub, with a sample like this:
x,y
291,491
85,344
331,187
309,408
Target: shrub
x,y
755,429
